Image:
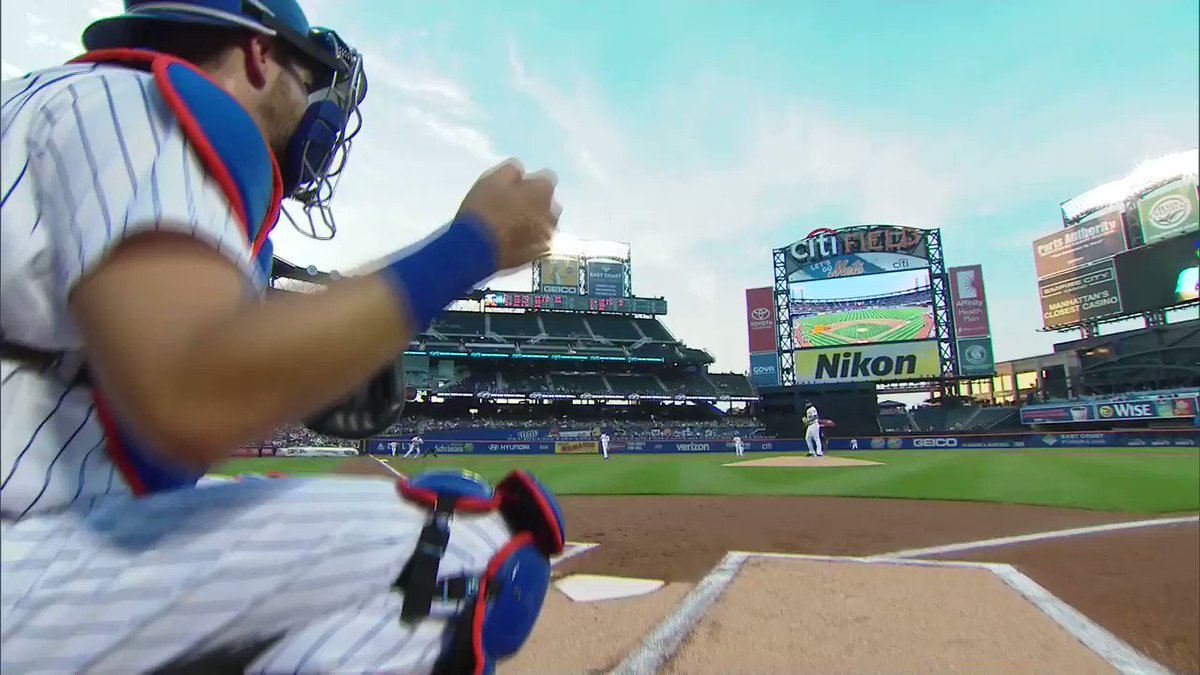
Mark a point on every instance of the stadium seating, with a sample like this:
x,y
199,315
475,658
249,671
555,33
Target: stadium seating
x,y
614,328
514,325
731,384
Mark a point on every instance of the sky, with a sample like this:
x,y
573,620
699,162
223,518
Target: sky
x,y
706,133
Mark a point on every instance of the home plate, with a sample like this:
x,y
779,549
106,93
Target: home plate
x,y
595,587
808,462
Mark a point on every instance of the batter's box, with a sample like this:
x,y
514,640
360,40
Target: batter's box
x,y
759,612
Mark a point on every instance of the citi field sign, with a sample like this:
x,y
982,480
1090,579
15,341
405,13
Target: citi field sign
x,y
856,251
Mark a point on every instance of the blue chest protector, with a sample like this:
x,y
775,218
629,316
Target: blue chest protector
x,y
233,152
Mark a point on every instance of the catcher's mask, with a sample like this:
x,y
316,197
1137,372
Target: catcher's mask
x,y
367,412
320,145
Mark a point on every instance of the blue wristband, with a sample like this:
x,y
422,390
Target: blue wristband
x,y
442,270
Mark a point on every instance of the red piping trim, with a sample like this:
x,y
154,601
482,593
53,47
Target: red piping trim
x,y
428,499
547,512
112,444
158,64
521,539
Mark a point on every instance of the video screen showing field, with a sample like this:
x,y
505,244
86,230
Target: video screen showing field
x,y
862,310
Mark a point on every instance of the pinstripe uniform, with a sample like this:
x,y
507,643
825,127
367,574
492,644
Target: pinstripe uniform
x,y
95,578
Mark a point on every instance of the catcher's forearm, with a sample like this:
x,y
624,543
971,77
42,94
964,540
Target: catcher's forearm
x,y
291,356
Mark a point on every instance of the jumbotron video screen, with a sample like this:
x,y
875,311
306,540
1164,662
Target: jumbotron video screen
x,y
896,307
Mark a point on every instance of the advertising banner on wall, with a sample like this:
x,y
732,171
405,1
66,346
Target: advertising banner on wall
x,y
968,302
1130,408
764,369
1083,294
1169,211
881,362
605,279
1095,239
560,275
855,251
760,319
975,357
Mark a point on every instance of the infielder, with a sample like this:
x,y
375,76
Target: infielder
x,y
604,444
812,434
738,446
414,447
137,193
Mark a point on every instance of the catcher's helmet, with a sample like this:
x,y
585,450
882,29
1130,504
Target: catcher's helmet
x,y
317,152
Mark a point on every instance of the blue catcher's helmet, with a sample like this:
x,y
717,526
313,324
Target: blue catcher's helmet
x,y
321,143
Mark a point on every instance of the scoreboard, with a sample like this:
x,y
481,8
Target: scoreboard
x,y
573,303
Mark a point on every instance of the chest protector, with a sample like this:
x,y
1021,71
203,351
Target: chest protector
x,y
231,148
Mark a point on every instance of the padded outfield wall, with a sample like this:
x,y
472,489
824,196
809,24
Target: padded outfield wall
x,y
1181,438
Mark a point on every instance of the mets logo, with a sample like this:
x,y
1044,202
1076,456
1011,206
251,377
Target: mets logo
x,y
1105,411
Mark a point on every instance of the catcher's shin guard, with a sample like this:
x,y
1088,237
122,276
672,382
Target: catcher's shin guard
x,y
498,608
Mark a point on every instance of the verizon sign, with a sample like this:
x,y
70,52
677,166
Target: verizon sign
x,y
760,319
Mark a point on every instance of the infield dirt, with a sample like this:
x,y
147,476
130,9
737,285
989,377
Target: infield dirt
x,y
1141,585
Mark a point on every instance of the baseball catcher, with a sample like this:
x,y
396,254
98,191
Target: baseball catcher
x,y
140,185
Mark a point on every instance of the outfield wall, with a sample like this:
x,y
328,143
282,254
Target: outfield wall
x,y
1178,438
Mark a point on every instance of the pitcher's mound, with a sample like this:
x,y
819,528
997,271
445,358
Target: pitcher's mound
x,y
807,462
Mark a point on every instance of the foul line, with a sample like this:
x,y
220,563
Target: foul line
x,y
662,643
1036,536
572,549
1107,646
389,467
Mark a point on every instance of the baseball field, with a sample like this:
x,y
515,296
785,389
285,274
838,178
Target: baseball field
x,y
863,326
976,561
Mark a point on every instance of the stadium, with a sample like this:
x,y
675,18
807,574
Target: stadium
x,y
907,315
1021,503
893,482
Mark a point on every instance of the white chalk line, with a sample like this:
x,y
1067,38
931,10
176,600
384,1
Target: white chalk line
x,y
1104,644
669,635
666,638
570,550
1036,536
387,466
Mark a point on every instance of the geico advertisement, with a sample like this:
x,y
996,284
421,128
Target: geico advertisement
x,y
867,363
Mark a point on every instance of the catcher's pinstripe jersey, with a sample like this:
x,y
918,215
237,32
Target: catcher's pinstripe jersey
x,y
95,580
91,155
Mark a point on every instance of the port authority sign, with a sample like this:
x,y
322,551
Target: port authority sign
x,y
884,362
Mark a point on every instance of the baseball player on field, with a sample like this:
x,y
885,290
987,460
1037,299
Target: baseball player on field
x,y
414,448
139,186
604,443
738,445
812,434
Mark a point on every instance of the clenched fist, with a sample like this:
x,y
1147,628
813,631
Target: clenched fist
x,y
518,210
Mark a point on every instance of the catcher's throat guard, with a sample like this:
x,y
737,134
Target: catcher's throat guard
x,y
498,609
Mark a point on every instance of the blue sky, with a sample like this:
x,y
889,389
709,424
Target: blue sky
x,y
706,133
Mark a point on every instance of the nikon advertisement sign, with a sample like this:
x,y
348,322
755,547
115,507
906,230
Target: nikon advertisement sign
x,y
1169,211
883,362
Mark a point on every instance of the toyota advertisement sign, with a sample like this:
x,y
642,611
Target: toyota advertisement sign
x,y
760,319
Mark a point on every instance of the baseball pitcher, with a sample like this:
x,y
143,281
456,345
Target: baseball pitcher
x,y
140,183
812,434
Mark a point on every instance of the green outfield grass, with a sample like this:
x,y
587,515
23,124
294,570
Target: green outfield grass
x,y
1110,480
860,326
